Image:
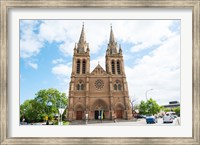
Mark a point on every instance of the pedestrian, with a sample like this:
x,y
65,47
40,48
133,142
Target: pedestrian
x,y
47,123
115,118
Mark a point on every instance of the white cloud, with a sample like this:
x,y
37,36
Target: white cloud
x,y
142,33
56,61
33,65
160,71
63,73
29,43
62,70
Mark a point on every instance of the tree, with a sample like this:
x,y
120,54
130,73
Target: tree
x,y
166,109
177,111
143,108
149,108
29,110
44,106
51,100
132,102
153,107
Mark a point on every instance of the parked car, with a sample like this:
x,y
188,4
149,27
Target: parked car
x,y
151,119
140,116
175,116
169,117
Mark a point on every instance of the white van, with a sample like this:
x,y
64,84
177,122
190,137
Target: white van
x,y
169,117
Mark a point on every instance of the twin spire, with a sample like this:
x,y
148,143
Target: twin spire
x,y
83,47
112,39
82,38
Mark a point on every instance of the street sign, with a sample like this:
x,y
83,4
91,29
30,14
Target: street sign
x,y
61,111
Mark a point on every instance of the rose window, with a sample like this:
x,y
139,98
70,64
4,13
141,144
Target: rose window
x,y
99,84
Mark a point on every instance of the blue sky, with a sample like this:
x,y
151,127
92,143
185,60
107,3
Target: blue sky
x,y
151,50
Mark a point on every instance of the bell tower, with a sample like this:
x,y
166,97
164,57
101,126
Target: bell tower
x,y
117,78
79,83
81,58
114,57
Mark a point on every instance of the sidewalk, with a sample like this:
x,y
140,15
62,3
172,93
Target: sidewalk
x,y
83,122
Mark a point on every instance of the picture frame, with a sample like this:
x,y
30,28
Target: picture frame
x,y
8,4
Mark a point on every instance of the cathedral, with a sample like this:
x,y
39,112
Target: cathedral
x,y
99,94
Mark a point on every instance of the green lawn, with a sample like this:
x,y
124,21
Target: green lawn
x,y
64,123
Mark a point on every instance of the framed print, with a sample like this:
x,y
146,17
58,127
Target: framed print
x,y
100,72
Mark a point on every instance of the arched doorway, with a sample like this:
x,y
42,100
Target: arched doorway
x,y
119,110
79,109
99,112
100,109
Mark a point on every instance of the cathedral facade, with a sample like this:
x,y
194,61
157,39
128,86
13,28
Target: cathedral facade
x,y
99,93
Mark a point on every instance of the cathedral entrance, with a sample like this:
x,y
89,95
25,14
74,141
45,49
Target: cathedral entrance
x,y
99,114
119,111
79,108
96,114
119,114
79,115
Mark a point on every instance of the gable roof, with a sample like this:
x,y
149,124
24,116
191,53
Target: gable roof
x,y
98,71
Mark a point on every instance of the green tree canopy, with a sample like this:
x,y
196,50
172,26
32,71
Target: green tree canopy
x,y
143,108
149,108
153,107
177,111
46,103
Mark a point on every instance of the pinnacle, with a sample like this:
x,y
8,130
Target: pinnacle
x,y
112,39
82,36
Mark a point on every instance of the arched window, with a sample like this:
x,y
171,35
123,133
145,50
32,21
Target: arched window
x,y
80,86
117,86
78,67
113,66
84,67
118,67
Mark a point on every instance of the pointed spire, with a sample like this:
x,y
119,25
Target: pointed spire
x,y
120,49
82,37
112,45
82,46
112,39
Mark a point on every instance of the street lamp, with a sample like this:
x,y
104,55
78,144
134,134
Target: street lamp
x,y
146,97
48,111
147,92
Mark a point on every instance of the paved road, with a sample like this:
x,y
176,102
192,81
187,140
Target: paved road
x,y
139,122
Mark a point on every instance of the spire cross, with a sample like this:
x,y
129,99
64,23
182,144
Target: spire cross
x,y
98,62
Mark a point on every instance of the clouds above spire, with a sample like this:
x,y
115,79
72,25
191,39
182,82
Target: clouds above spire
x,y
144,48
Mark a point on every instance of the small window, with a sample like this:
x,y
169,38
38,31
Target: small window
x,y
84,67
118,67
117,86
113,67
80,85
78,67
